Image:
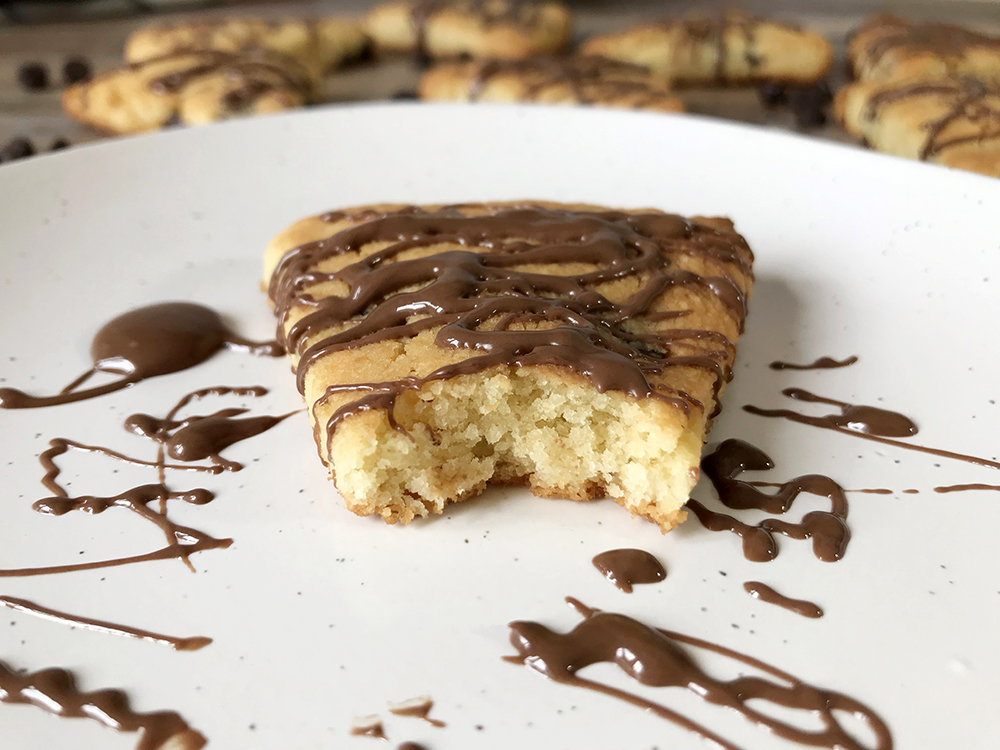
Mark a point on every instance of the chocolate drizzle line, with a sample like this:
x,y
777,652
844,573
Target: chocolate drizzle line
x,y
714,28
417,709
823,363
626,567
144,343
828,530
369,727
765,593
186,440
102,626
654,657
477,298
972,100
967,487
939,39
55,691
868,422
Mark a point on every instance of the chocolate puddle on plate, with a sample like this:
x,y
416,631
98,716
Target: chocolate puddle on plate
x,y
627,567
655,657
144,343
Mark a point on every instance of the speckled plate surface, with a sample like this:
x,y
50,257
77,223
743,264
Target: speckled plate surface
x,y
319,616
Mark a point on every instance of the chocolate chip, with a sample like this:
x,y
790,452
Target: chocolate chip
x,y
76,70
772,94
59,144
33,76
16,148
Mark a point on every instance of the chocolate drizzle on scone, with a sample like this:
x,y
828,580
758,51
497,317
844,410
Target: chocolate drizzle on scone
x,y
255,71
940,39
480,298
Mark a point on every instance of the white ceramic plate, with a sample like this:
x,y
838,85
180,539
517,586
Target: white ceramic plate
x,y
319,616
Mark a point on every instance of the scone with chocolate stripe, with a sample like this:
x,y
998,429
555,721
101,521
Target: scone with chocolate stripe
x,y
949,121
320,45
888,47
550,80
190,88
730,49
577,349
470,28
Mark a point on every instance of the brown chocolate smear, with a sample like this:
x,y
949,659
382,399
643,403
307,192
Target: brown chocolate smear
x,y
144,343
476,299
967,487
822,363
411,746
626,567
102,626
765,593
55,691
655,657
418,708
828,530
373,729
868,422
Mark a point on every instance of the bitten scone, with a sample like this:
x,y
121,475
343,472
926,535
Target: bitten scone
x,y
320,45
550,80
578,349
470,28
732,48
887,47
954,122
190,88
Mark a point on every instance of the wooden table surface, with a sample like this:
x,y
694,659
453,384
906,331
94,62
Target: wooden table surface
x,y
38,115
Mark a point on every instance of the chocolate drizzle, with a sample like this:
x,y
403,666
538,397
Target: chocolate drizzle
x,y
765,593
713,30
822,363
655,658
479,301
967,487
144,343
102,626
868,422
626,567
939,39
369,726
55,691
828,530
418,708
971,100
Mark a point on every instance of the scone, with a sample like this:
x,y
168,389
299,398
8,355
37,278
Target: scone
x,y
550,80
887,47
190,88
470,28
730,49
320,45
574,348
954,122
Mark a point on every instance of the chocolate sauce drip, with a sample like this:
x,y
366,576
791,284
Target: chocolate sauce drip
x,y
591,79
479,300
375,730
828,530
102,626
55,691
972,100
417,709
626,567
823,363
967,487
866,422
144,343
655,658
765,593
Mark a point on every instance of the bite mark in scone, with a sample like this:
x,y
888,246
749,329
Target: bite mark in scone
x,y
729,49
891,48
954,122
190,88
577,349
551,80
470,28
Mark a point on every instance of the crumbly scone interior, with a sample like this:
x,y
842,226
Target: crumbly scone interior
x,y
442,440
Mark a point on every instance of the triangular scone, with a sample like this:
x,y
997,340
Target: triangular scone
x,y
574,348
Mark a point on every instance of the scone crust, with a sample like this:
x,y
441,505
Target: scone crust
x,y
371,435
953,122
190,88
733,49
550,80
892,48
492,28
